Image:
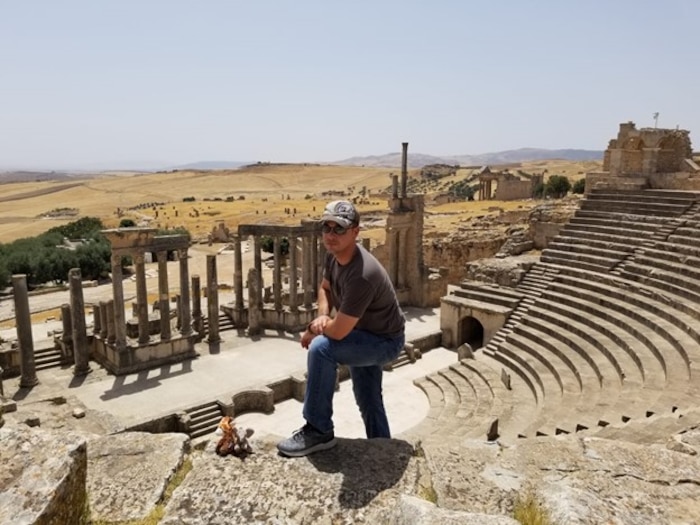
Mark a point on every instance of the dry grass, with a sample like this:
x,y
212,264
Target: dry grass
x,y
267,190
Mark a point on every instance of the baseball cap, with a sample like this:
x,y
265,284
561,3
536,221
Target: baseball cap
x,y
342,213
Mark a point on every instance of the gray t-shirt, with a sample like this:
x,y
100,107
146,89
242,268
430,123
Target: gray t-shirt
x,y
362,288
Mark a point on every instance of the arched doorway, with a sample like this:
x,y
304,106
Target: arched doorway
x,y
471,332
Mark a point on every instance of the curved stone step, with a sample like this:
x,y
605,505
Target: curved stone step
x,y
604,336
661,338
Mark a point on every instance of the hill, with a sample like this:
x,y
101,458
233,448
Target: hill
x,y
418,160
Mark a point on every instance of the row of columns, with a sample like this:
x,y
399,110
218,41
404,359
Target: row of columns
x,y
310,270
485,191
184,312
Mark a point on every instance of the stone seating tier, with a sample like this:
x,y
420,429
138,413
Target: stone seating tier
x,y
676,296
644,197
673,318
656,334
647,208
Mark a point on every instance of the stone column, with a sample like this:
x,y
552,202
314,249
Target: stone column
x,y
118,305
254,303
402,259
238,272
163,295
317,267
394,186
393,257
23,323
277,273
111,323
142,298
293,304
212,300
96,320
67,336
404,168
257,262
81,352
184,312
306,269
103,320
197,304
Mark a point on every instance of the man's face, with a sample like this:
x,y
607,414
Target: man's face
x,y
337,239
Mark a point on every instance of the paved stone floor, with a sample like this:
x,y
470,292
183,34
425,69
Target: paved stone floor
x,y
240,362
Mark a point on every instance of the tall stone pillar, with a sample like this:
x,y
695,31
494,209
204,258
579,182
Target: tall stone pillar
x,y
238,273
163,295
257,263
402,259
293,300
111,323
96,320
197,304
23,322
142,299
404,168
118,293
254,303
212,300
81,352
307,265
184,312
393,257
317,268
67,335
277,272
394,186
103,320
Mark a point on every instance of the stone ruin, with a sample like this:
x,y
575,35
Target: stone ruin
x,y
508,186
581,385
647,158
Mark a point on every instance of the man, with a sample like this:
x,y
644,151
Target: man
x,y
359,324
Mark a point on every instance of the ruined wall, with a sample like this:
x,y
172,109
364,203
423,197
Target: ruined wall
x,y
510,190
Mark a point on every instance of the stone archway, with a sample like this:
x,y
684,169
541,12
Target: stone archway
x,y
471,332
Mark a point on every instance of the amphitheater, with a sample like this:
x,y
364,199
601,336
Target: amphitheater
x,y
599,339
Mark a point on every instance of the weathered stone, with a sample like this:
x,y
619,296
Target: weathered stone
x,y
416,511
42,479
578,480
128,472
359,481
78,413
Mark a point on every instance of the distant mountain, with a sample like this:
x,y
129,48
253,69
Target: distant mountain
x,y
211,165
418,160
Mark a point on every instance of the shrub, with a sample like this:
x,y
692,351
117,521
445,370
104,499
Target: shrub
x,y
579,186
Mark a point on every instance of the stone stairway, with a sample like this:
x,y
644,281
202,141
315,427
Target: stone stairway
x,y
49,357
203,419
605,336
225,323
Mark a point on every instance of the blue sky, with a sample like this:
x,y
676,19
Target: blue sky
x,y
163,82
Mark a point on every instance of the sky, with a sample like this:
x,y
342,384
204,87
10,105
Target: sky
x,y
97,84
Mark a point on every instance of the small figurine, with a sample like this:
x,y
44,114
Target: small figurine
x,y
234,440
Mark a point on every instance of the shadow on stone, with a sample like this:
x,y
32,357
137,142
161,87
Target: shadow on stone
x,y
145,380
368,466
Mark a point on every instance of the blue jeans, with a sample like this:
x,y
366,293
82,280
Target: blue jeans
x,y
364,353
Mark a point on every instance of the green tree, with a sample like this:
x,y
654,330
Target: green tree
x,y
557,186
579,187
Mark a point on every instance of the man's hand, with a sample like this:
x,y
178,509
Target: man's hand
x,y
317,325
306,339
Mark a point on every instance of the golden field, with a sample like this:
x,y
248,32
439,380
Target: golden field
x,y
267,193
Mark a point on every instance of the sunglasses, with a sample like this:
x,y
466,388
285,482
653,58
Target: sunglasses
x,y
338,230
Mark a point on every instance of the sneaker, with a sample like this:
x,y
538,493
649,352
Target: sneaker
x,y
305,441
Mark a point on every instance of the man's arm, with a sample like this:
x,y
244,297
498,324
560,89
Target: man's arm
x,y
335,328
